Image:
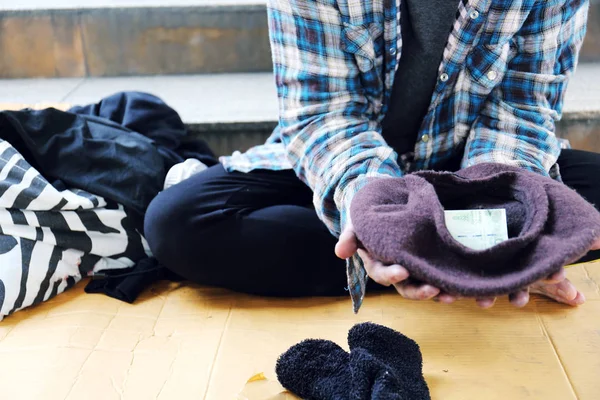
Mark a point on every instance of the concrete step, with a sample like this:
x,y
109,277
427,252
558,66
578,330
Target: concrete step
x,y
97,38
236,111
230,111
100,38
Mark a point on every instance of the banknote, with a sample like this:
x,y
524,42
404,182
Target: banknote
x,y
477,229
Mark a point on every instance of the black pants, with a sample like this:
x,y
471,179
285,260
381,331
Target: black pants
x,y
258,232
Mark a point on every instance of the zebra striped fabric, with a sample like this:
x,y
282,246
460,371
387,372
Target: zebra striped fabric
x,y
50,239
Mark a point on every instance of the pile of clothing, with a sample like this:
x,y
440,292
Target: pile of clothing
x,y
74,187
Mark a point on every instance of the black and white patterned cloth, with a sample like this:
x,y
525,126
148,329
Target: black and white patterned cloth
x,y
50,239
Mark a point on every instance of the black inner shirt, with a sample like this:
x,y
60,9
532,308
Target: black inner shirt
x,y
425,27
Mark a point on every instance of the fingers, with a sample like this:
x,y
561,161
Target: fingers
x,y
555,286
557,277
397,275
385,275
347,244
414,291
486,302
596,245
578,300
519,299
446,298
563,292
566,290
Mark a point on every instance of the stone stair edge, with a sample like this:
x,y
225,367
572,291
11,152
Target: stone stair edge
x,y
206,9
204,101
40,6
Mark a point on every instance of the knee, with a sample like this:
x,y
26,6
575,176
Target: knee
x,y
175,216
164,226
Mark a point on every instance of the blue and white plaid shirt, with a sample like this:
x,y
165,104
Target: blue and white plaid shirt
x,y
500,90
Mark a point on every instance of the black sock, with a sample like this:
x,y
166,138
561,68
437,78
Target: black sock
x,y
315,370
371,379
382,365
399,357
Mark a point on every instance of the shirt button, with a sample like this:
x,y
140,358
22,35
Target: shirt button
x,y
492,75
425,138
474,14
444,77
392,50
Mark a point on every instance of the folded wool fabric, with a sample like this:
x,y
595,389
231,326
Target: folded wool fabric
x,y
383,364
401,221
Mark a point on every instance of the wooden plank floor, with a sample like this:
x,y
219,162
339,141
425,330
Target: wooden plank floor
x,y
180,342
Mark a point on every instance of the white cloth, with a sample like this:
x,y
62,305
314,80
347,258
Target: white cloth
x,y
182,171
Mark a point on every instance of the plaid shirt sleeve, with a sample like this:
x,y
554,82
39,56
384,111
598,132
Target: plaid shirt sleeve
x,y
516,126
329,128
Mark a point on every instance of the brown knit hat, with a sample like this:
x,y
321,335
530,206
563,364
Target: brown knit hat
x,y
401,221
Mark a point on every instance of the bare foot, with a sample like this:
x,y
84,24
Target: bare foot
x,y
563,292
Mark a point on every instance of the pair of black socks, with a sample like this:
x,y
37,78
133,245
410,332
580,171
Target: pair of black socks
x,y
382,364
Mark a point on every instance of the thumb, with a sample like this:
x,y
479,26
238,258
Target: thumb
x,y
596,245
347,244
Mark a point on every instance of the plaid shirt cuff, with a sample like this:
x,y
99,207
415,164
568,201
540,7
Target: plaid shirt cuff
x,y
355,269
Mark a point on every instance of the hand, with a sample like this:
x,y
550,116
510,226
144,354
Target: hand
x,y
385,275
557,287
